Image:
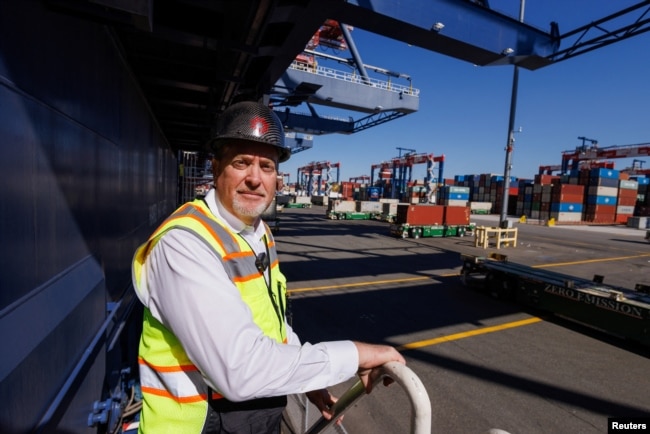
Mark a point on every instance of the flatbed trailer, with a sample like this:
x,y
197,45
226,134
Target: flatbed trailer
x,y
406,230
350,215
297,205
614,310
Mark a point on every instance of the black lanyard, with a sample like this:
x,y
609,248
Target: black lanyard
x,y
262,263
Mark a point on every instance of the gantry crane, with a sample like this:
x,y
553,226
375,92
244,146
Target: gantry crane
x,y
311,176
571,159
636,168
362,179
553,168
400,170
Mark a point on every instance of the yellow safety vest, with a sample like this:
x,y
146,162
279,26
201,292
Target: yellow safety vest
x,y
175,396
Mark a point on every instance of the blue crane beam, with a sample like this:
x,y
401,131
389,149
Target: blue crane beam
x,y
460,29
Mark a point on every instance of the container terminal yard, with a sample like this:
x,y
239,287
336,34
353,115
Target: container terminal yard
x,y
519,304
487,361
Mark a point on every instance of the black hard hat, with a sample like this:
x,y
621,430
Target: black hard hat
x,y
251,122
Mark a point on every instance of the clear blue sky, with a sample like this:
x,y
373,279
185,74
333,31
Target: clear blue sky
x,y
464,109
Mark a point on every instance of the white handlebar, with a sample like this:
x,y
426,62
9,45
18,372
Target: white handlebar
x,y
402,375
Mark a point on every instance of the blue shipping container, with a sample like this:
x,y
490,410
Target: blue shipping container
x,y
566,207
604,173
601,200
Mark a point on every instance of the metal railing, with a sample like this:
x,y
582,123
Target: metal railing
x,y
353,78
402,375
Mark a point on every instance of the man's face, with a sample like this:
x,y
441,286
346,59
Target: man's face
x,y
245,179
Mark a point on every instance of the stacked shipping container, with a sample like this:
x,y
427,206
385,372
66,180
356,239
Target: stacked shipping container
x,y
599,195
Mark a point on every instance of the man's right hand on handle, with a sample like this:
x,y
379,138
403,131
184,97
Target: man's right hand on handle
x,y
371,357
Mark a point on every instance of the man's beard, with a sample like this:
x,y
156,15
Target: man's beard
x,y
249,211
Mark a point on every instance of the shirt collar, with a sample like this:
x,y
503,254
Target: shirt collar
x,y
235,224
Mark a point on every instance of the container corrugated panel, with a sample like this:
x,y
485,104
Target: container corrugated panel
x,y
484,206
420,214
642,180
520,208
572,217
628,184
302,199
456,189
568,189
638,222
601,200
622,218
566,207
546,179
603,182
627,197
453,202
561,197
625,209
456,215
600,213
368,206
595,190
343,205
604,173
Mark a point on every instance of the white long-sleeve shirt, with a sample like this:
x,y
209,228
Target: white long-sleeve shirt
x,y
187,289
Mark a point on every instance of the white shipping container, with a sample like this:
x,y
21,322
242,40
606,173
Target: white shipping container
x,y
368,206
342,205
481,206
302,199
595,190
629,184
567,217
455,202
624,210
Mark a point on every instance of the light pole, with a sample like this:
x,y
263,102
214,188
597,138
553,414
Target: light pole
x,y
503,219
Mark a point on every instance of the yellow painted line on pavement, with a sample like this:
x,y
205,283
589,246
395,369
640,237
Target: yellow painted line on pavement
x,y
352,285
467,334
587,261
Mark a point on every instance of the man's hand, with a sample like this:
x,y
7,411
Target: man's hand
x,y
372,357
323,401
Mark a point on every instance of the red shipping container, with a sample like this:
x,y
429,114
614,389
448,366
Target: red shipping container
x,y
420,214
626,201
546,179
568,198
568,189
457,215
627,193
601,209
622,218
600,213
